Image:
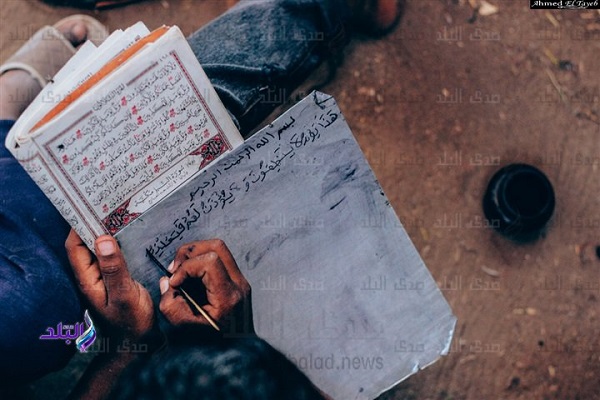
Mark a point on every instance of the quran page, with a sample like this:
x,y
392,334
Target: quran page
x,y
128,136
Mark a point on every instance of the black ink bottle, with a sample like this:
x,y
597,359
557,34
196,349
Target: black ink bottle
x,y
519,202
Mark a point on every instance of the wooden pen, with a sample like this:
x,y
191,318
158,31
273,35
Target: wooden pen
x,y
185,294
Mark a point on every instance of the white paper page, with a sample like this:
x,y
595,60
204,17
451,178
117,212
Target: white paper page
x,y
137,135
337,285
111,47
86,61
46,99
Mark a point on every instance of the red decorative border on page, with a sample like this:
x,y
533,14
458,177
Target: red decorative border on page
x,y
201,98
119,218
213,148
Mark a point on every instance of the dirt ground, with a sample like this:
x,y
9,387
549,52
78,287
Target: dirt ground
x,y
438,106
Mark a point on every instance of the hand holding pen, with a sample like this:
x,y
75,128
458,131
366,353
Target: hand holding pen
x,y
207,266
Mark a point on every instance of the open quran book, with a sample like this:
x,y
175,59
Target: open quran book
x,y
139,146
120,128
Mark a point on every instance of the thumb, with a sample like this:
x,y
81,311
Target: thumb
x,y
113,267
178,277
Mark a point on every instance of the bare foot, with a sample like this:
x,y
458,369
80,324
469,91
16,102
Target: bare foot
x,y
387,14
375,17
18,88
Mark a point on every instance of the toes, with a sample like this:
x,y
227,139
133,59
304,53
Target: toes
x,y
74,32
387,13
79,32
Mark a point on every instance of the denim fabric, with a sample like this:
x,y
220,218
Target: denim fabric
x,y
261,49
258,48
36,288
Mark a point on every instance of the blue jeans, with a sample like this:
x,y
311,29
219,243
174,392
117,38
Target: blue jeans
x,y
255,52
